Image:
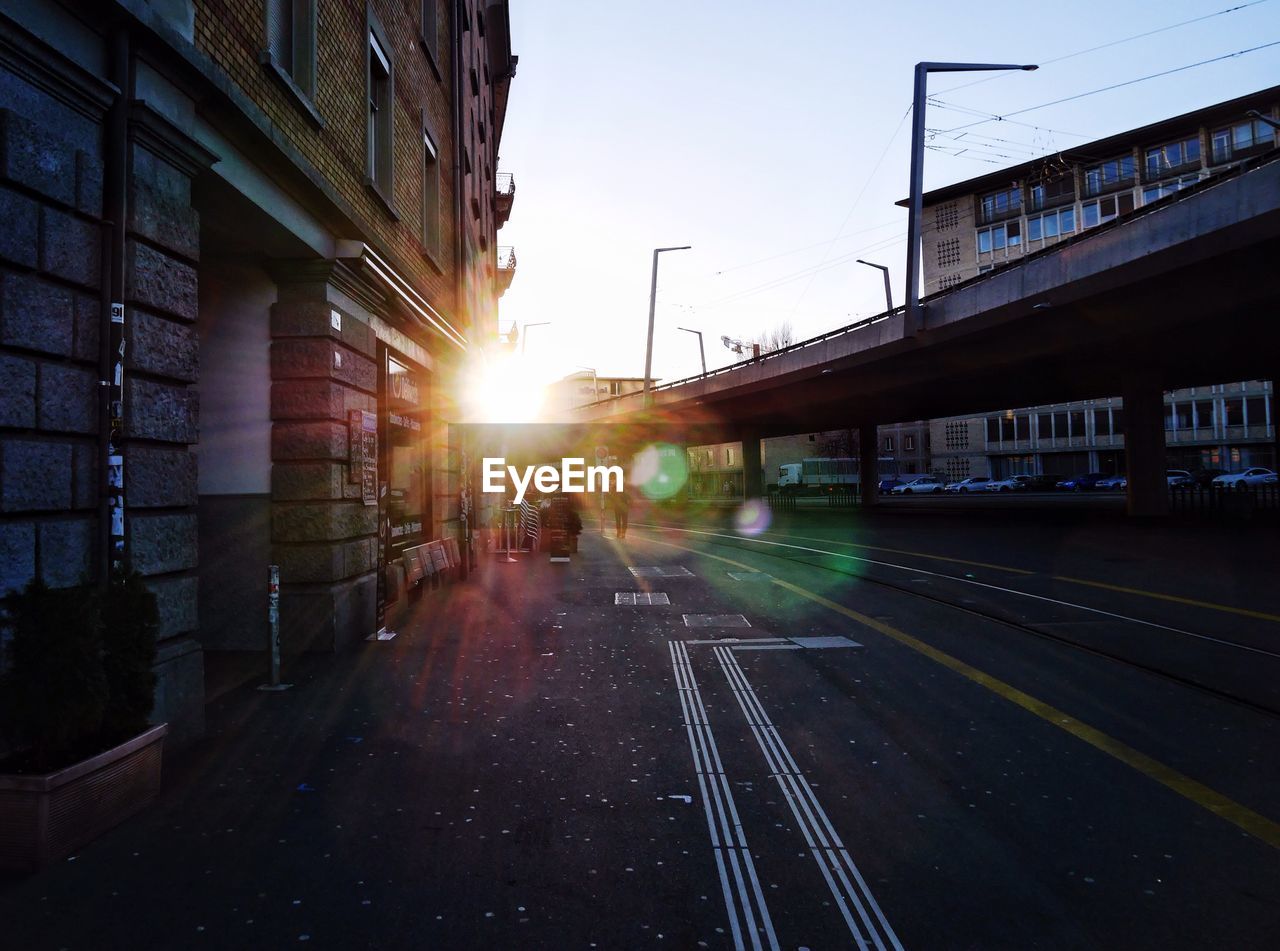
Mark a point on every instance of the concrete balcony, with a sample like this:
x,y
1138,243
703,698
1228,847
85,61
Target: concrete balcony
x,y
506,268
505,196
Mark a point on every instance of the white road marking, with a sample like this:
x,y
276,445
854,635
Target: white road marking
x,y
978,584
728,841
715,620
870,926
822,643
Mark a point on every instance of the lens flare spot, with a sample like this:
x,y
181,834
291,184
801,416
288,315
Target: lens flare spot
x,y
660,470
752,518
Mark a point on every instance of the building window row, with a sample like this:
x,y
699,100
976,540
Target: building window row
x,y
1051,224
998,237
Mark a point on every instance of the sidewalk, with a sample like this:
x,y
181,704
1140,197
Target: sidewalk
x,y
472,783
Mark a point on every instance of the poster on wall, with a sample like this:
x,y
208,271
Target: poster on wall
x,y
363,468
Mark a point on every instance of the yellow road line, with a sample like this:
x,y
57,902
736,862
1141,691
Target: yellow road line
x,y
1246,612
1222,806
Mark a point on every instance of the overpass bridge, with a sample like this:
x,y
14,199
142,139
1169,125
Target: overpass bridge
x,y
1183,292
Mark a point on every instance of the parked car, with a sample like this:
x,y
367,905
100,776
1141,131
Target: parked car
x,y
1083,482
1239,480
1113,482
1178,477
1043,483
929,484
888,484
1204,477
972,484
1018,483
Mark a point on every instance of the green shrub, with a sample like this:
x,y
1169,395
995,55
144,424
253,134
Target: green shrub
x,y
80,678
54,695
129,625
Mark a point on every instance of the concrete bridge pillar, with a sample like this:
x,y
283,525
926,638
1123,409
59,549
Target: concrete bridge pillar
x,y
752,473
868,463
1148,493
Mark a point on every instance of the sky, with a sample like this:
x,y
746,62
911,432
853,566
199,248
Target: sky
x,y
774,139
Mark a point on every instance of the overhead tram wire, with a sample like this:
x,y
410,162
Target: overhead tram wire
x,y
1119,42
816,244
866,183
991,117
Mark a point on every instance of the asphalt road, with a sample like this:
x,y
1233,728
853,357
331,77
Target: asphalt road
x,y
529,765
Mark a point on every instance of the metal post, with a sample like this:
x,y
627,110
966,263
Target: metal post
x,y
653,300
273,619
701,352
912,319
888,291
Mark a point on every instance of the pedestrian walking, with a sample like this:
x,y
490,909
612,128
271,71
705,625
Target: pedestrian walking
x,y
621,501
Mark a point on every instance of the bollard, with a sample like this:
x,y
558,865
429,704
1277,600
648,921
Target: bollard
x,y
273,622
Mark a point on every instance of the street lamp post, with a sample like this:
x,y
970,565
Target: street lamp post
x,y
912,317
524,338
888,292
653,299
701,352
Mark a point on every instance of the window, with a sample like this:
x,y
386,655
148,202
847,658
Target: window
x,y
999,237
1255,411
430,191
1117,421
1077,424
908,443
728,457
888,444
1006,429
1172,157
1232,413
380,114
1059,425
430,28
1108,176
993,429
1044,426
1242,139
812,437
1155,192
1204,414
1182,415
291,43
1051,224
1102,422
999,204
1104,209
1051,192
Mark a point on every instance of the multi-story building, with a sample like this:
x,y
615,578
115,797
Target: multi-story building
x,y
984,223
248,248
586,386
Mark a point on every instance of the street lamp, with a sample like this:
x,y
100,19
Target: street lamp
x,y
911,318
888,294
653,298
524,340
701,352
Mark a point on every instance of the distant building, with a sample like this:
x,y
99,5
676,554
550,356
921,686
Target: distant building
x,y
984,223
585,386
273,225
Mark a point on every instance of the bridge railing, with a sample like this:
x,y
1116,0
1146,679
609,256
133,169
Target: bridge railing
x,y
1218,500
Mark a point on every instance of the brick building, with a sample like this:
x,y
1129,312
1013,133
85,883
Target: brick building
x,y
981,224
268,227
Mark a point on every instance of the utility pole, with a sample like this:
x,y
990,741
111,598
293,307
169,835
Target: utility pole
x,y
653,300
911,319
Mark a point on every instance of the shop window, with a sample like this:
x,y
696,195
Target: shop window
x,y
404,454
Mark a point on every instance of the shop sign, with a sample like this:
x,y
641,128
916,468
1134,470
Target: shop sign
x,y
363,468
402,383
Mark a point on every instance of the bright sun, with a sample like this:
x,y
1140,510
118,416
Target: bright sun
x,y
505,390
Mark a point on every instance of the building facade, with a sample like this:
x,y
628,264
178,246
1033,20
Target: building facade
x,y
984,223
250,251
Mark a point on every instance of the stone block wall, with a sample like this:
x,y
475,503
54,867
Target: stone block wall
x,y
50,311
324,538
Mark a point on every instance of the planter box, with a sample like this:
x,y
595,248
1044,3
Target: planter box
x,y
45,818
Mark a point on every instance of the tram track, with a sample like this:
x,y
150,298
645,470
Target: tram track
x,y
770,550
